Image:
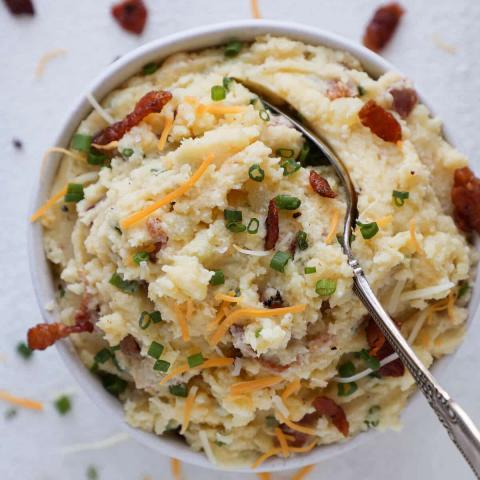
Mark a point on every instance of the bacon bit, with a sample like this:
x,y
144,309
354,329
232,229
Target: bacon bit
x,y
326,406
337,89
272,365
380,349
131,15
160,238
380,122
382,26
129,346
271,224
404,100
320,185
274,301
466,200
20,7
151,102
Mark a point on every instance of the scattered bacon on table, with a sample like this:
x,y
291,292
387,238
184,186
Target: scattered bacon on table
x,y
382,26
272,226
404,100
20,7
131,15
320,185
151,102
380,122
326,406
466,200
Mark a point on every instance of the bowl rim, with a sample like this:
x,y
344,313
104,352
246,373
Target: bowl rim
x,y
113,77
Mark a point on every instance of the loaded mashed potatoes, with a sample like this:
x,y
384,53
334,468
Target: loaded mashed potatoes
x,y
199,269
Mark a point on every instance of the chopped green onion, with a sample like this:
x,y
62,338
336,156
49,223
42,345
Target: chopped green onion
x,y
155,350
63,404
144,321
236,227
340,238
218,93
227,82
126,286
346,389
290,166
399,197
195,360
180,390
96,158
304,153
258,331
347,369
150,68
301,240
24,351
156,316
287,202
253,225
103,355
218,278
161,366
373,419
279,261
232,48
10,413
464,287
326,287
92,473
285,152
82,142
140,257
368,230
361,91
370,361
256,173
218,443
127,152
264,115
271,421
232,215
74,192
309,270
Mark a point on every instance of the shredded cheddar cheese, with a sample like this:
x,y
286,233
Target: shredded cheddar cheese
x,y
333,228
291,388
145,212
255,9
294,426
219,109
176,468
384,221
68,153
165,132
109,146
211,363
303,472
182,322
221,314
251,312
187,413
49,204
413,239
264,476
282,442
266,456
227,298
252,385
21,402
46,58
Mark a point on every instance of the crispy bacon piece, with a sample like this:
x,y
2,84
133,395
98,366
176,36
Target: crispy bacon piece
x,y
404,100
380,348
380,122
326,406
131,15
151,102
159,237
466,200
272,226
300,438
321,185
20,7
129,346
382,26
337,89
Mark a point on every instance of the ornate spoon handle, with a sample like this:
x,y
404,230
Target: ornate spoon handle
x,y
458,424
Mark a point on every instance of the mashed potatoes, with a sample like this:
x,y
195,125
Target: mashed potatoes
x,y
162,290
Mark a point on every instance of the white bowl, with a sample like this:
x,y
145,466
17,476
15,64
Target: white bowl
x,y
107,81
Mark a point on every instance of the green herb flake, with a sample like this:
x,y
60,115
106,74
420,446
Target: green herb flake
x,y
103,355
63,404
301,240
287,202
24,351
96,158
236,227
370,361
279,261
304,152
463,289
218,93
127,152
113,384
179,390
218,443
310,270
218,278
150,68
227,83
232,215
195,360
74,193
285,153
256,173
346,389
325,287
126,286
10,413
368,230
161,366
155,350
258,331
347,369
264,115
92,473
373,416
400,197
156,316
140,257
253,226
232,48
82,142
290,166
271,421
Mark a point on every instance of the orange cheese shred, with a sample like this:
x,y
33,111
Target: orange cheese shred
x,y
251,312
176,467
294,426
333,228
264,476
145,212
227,298
255,9
182,322
221,109
303,472
291,388
252,385
21,402
210,363
48,204
165,132
384,221
413,238
221,314
282,442
187,413
266,456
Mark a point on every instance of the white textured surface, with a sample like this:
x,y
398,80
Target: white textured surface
x,y
33,110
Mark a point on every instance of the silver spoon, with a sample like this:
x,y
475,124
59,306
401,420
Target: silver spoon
x,y
458,424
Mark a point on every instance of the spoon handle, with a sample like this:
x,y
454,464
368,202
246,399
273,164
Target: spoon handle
x,y
458,424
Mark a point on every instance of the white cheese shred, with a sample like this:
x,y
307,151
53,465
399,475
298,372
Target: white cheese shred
x,y
366,372
395,296
99,445
206,447
255,253
280,406
427,293
98,108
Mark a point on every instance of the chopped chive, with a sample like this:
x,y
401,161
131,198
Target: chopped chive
x,y
161,366
368,230
103,355
309,270
218,278
218,443
373,419
117,229
326,287
24,351
179,390
218,93
126,286
347,369
10,413
96,158
141,257
304,153
264,115
370,361
92,473
236,227
63,404
232,48
271,421
127,152
156,316
144,321
195,360
279,261
301,240
82,142
464,287
227,83
361,91
258,331
400,197
74,192
232,215
256,173
155,350
346,389
285,152
340,238
287,202
150,68
113,384
253,225
290,166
